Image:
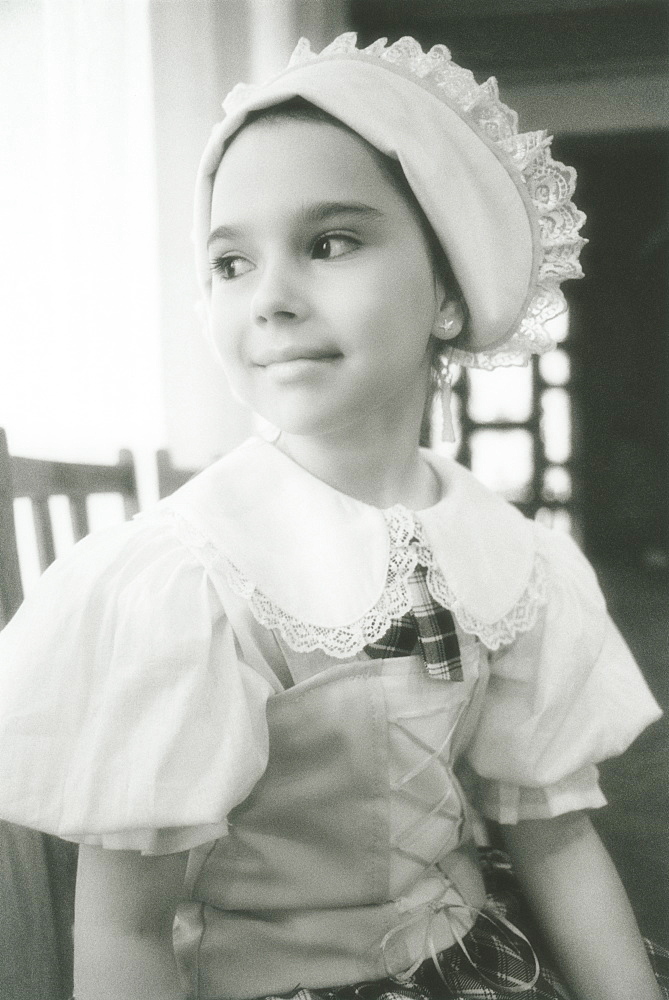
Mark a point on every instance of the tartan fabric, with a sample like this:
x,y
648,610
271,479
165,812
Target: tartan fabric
x,y
400,640
428,625
491,952
659,959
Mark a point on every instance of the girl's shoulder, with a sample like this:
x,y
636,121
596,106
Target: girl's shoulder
x,y
128,715
498,559
113,573
119,569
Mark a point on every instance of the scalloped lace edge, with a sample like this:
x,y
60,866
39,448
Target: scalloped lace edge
x,y
342,642
549,183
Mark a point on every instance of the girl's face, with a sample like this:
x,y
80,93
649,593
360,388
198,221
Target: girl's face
x,y
323,296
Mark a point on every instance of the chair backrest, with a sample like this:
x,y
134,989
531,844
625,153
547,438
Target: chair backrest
x,y
38,480
170,478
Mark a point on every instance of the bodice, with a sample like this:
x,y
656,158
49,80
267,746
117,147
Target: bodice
x,y
331,866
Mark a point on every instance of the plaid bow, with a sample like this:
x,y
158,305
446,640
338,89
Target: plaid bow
x,y
427,625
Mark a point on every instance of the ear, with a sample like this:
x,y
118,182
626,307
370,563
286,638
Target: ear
x,y
450,320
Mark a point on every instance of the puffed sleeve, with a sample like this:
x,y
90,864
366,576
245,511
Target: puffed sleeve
x,y
562,697
127,717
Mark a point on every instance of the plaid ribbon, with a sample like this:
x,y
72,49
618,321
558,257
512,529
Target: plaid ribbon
x,y
428,626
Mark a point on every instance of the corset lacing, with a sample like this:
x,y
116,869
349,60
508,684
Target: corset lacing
x,y
444,904
414,841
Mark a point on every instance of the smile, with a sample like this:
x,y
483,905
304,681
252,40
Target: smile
x,y
290,362
301,366
288,355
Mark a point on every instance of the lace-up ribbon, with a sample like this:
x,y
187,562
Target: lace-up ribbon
x,y
444,905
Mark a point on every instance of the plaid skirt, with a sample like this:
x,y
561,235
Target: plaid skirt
x,y
496,963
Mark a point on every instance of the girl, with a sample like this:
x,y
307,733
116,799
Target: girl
x,y
249,705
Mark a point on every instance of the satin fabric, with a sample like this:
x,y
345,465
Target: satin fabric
x,y
331,866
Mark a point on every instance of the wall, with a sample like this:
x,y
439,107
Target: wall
x,y
200,50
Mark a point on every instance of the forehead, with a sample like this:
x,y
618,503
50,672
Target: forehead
x,y
278,163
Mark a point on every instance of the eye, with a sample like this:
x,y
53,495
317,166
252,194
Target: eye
x,y
333,245
230,266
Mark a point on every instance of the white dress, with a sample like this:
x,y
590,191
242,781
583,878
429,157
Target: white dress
x,y
151,685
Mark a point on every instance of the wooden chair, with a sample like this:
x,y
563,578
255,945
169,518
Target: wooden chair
x,y
38,480
170,478
38,872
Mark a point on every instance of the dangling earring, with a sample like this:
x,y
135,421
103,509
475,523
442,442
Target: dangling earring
x,y
444,382
449,326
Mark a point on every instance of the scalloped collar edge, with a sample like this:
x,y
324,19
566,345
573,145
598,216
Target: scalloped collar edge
x,y
324,559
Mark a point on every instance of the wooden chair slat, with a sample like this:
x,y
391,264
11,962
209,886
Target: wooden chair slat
x,y
43,532
79,517
126,464
11,590
170,477
38,478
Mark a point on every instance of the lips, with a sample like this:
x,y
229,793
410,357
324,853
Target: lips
x,y
284,355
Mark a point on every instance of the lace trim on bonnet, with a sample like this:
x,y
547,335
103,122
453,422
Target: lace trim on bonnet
x,y
408,547
550,184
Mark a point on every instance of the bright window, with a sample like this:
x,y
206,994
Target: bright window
x,y
514,429
80,369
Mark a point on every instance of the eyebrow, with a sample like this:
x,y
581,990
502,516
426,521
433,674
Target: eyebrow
x,y
309,214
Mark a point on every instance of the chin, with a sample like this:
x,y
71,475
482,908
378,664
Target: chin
x,y
301,424
301,427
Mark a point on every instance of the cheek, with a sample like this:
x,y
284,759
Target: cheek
x,y
395,303
225,327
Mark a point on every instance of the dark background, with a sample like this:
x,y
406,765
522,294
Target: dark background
x,y
619,344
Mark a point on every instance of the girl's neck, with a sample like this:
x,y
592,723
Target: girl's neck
x,y
379,468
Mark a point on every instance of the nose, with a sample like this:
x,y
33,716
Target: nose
x,y
279,295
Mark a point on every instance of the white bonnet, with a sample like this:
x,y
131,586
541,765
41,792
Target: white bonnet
x,y
499,204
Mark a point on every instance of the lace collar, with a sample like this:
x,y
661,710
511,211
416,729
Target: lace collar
x,y
329,572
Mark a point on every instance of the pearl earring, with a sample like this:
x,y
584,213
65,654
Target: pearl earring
x,y
450,320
